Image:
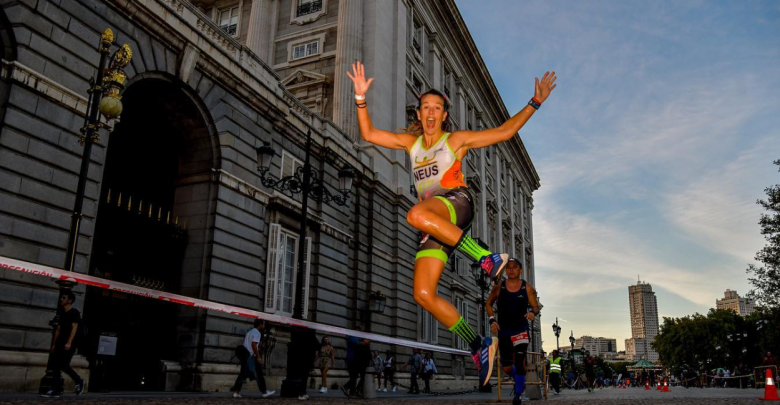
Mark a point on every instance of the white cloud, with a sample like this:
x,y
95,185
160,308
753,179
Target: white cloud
x,y
718,211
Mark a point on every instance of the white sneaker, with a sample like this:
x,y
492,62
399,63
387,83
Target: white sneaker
x,y
323,390
395,388
268,393
236,395
303,397
385,389
378,390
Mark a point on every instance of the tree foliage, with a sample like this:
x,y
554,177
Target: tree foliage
x,y
719,339
766,278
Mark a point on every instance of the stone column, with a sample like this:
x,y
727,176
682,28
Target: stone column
x,y
532,270
349,42
521,205
499,165
259,35
512,202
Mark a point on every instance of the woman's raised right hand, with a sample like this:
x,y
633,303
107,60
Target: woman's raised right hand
x,y
358,77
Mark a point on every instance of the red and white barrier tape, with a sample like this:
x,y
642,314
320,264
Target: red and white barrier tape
x,y
45,271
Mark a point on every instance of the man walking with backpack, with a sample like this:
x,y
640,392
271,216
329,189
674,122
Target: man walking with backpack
x,y
251,361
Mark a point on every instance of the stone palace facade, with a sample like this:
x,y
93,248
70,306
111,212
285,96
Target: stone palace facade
x,y
174,201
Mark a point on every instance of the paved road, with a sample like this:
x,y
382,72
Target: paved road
x,y
710,396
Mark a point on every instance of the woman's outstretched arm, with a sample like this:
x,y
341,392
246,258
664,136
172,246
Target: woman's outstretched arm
x,y
504,132
370,134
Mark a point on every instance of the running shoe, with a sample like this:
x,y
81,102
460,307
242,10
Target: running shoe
x,y
51,394
484,358
268,393
494,264
79,387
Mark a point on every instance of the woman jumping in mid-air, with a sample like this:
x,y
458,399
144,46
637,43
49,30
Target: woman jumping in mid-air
x,y
446,205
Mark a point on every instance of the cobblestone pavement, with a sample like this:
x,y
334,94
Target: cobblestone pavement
x,y
711,396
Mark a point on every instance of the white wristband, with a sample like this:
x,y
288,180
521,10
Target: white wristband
x,y
359,97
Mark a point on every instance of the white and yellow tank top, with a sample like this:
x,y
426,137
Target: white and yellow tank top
x,y
437,169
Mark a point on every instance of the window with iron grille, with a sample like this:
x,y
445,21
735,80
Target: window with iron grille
x,y
228,20
308,7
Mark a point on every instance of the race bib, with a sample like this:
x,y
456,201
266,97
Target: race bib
x,y
520,339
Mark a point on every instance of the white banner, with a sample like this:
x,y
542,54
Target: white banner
x,y
45,271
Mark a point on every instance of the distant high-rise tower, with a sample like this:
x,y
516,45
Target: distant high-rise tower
x,y
732,301
644,322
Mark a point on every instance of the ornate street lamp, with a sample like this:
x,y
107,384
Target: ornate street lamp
x,y
296,183
376,305
104,98
376,302
557,331
305,182
571,350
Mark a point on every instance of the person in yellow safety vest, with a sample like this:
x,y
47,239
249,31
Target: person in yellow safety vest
x,y
555,372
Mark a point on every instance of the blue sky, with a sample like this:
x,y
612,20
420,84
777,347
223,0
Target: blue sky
x,y
652,150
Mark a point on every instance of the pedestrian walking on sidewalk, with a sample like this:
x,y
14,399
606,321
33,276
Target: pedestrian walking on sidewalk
x,y
389,370
379,366
63,346
414,363
555,372
325,360
358,358
253,366
427,370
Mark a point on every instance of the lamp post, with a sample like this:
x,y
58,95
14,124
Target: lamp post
x,y
305,182
480,278
571,351
557,331
533,325
104,98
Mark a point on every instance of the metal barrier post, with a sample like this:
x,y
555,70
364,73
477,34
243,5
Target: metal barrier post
x,y
369,392
498,360
761,379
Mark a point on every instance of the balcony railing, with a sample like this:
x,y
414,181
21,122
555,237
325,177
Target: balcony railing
x,y
311,7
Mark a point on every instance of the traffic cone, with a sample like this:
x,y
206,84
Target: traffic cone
x,y
770,391
647,385
666,386
659,386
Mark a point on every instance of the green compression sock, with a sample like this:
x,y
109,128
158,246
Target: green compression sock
x,y
471,247
464,331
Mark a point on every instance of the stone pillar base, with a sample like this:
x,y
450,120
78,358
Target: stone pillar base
x,y
22,371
